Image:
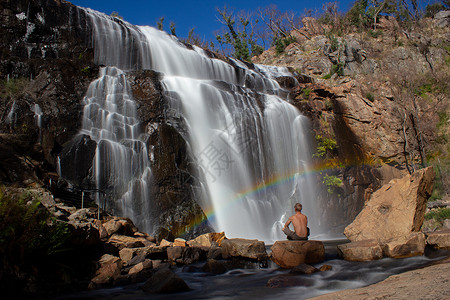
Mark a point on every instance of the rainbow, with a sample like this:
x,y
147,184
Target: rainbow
x,y
261,187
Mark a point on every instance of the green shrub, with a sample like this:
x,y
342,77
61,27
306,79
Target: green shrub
x,y
324,145
306,92
332,182
439,214
370,97
27,231
282,42
375,33
327,76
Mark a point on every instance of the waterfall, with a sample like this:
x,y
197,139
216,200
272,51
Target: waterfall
x,y
249,144
121,167
38,119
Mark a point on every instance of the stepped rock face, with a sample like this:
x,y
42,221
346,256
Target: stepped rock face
x,y
395,210
47,54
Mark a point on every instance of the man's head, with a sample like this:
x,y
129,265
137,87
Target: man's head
x,y
298,207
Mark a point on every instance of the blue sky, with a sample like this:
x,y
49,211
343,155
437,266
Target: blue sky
x,y
199,14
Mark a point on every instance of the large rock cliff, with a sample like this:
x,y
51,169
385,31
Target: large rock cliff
x,y
46,64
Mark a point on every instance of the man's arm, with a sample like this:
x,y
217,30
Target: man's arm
x,y
287,223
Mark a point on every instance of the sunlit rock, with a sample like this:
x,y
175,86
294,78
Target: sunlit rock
x,y
395,210
411,245
439,239
289,254
252,249
361,250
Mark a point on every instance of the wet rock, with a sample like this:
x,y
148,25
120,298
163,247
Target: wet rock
x,y
214,253
325,268
411,245
214,267
401,205
288,254
303,269
283,281
361,250
165,281
76,159
439,239
186,255
252,249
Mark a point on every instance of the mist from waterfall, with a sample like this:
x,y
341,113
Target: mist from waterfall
x,y
249,144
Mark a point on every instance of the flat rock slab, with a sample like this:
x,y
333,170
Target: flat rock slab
x,y
439,239
427,283
289,254
361,250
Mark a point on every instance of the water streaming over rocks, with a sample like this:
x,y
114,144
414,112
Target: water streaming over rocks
x,y
250,146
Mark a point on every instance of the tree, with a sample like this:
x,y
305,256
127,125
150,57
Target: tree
x,y
160,23
238,35
172,28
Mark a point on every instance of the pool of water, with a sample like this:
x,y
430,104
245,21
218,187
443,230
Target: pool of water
x,y
250,282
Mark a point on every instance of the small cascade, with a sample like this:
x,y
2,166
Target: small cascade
x,y
121,167
38,118
249,144
11,118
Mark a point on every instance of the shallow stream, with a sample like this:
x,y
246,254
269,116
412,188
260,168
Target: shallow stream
x,y
250,283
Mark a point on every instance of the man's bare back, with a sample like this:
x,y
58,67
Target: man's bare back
x,y
300,222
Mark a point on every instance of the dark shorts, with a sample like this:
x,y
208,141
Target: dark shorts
x,y
291,235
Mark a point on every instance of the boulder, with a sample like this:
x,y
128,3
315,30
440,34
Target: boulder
x,y
442,19
361,250
127,254
165,243
83,234
411,245
395,210
439,239
214,253
288,254
121,226
179,242
118,242
214,267
207,239
165,281
252,249
146,264
186,255
107,273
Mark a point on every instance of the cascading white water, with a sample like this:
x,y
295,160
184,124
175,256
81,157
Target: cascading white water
x,y
121,169
250,145
38,118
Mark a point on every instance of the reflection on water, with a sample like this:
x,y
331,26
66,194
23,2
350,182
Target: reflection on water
x,y
251,283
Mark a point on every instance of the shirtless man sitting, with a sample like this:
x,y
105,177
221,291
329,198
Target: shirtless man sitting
x,y
300,222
